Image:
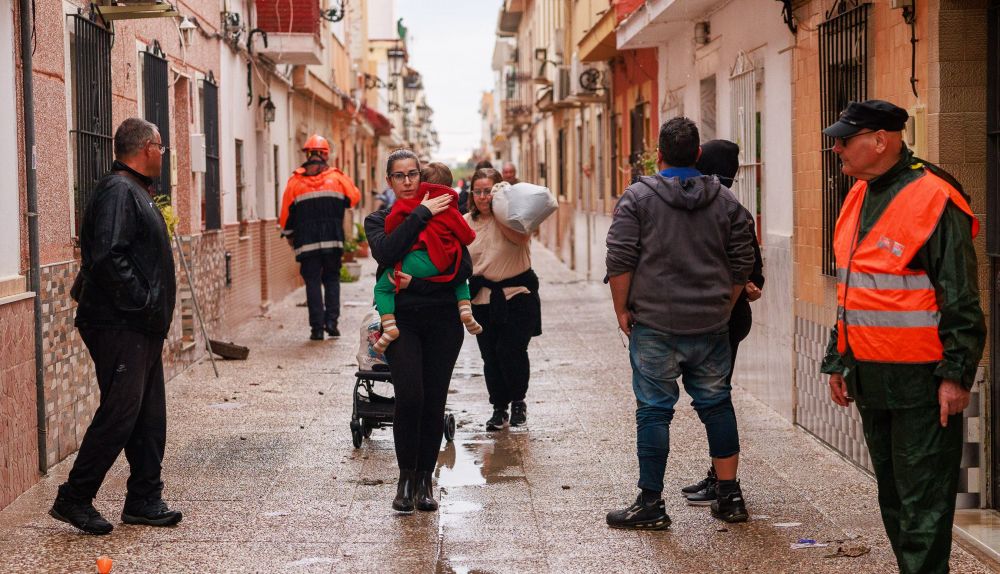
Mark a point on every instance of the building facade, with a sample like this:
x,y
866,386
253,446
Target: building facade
x,y
235,89
771,88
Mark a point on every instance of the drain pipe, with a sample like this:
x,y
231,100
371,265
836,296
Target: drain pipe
x,y
31,186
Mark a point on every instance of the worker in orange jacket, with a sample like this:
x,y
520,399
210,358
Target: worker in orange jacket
x,y
312,219
910,330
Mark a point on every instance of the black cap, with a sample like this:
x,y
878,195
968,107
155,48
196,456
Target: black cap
x,y
720,158
870,114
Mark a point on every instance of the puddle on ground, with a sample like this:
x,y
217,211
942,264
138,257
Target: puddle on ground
x,y
475,462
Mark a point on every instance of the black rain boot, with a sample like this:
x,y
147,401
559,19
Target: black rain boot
x,y
424,495
404,492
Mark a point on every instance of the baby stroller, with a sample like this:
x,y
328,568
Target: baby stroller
x,y
372,410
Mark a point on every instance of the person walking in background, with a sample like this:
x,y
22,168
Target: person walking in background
x,y
505,302
422,358
680,253
126,292
509,173
312,219
721,158
910,330
463,196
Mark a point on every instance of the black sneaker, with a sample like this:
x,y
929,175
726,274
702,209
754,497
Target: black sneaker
x,y
497,420
702,497
702,484
518,413
730,506
316,335
332,330
82,516
151,513
641,516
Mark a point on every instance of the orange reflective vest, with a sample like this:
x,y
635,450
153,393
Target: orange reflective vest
x,y
888,313
312,210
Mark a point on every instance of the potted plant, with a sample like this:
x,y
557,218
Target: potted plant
x,y
362,240
350,250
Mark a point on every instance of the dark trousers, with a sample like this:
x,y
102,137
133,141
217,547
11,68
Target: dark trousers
x,y
504,347
917,465
421,361
321,273
132,416
740,322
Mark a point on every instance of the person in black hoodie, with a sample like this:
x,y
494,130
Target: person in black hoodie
x,y
422,358
721,158
125,293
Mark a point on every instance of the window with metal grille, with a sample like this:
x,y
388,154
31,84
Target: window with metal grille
x,y
212,198
744,93
91,130
240,182
156,106
993,133
843,77
637,139
616,134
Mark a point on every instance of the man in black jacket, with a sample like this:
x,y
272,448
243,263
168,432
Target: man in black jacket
x,y
126,291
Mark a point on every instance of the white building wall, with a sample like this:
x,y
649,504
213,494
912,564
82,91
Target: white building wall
x,y
767,357
382,19
10,211
236,121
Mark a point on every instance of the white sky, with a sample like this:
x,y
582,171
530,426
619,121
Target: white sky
x,y
451,45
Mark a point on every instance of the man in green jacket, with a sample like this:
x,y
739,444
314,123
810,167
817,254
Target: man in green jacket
x,y
911,411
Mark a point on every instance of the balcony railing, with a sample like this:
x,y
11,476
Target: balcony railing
x,y
293,31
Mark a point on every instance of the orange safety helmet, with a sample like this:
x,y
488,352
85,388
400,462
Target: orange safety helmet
x,y
316,142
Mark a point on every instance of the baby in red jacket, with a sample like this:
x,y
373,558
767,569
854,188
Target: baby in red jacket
x,y
435,256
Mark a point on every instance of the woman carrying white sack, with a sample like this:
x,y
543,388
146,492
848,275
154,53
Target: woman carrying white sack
x,y
504,295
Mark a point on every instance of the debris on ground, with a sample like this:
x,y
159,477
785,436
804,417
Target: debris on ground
x,y
565,487
371,481
807,543
787,524
849,551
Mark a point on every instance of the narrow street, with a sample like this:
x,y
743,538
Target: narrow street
x,y
261,462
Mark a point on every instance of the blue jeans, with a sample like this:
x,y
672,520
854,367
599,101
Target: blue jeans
x,y
658,360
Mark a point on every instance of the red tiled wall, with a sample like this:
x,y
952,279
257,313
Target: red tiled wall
x,y
18,424
241,298
282,272
298,16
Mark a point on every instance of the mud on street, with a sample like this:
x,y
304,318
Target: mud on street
x,y
261,462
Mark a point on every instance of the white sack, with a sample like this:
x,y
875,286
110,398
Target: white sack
x,y
523,206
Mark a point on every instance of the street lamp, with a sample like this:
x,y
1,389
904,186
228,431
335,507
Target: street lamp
x,y
269,108
396,57
411,85
187,28
424,112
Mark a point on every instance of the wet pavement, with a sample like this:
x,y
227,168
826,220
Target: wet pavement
x,y
261,462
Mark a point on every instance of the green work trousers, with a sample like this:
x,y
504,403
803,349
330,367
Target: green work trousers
x,y
418,264
917,467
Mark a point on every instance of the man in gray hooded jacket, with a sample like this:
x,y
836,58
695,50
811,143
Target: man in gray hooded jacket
x,y
680,251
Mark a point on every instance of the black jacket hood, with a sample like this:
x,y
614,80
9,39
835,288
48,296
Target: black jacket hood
x,y
695,193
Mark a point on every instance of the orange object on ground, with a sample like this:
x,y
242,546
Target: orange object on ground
x,y
104,565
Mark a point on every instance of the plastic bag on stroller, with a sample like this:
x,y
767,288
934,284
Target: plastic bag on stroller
x,y
371,330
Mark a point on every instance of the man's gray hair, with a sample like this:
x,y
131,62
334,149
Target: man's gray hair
x,y
132,135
